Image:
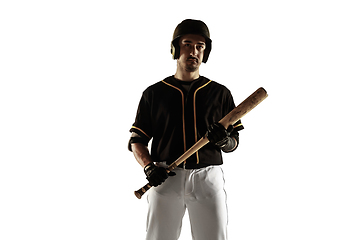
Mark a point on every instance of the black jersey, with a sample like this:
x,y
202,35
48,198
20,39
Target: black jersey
x,y
175,118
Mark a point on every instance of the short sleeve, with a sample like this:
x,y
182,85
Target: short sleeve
x,y
142,124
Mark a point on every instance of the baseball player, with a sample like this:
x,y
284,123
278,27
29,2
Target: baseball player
x,y
175,113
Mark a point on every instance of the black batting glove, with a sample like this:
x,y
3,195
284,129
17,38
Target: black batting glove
x,y
156,175
218,135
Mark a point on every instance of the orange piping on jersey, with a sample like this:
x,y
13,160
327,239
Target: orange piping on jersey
x,y
183,112
197,153
238,125
141,131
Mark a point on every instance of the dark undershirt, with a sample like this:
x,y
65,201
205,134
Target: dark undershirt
x,y
186,85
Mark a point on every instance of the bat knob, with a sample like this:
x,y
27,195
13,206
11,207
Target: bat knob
x,y
138,194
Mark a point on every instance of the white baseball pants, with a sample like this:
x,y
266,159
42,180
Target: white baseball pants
x,y
201,191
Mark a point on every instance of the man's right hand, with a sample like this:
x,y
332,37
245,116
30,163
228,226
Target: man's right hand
x,y
155,175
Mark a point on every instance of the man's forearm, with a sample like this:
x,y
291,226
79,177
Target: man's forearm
x,y
141,153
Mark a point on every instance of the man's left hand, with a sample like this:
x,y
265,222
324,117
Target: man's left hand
x,y
218,135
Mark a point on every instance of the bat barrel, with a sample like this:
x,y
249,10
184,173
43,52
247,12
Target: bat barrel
x,y
243,108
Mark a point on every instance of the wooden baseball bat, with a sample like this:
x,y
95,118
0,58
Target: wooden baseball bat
x,y
231,118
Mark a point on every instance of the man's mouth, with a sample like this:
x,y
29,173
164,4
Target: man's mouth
x,y
192,59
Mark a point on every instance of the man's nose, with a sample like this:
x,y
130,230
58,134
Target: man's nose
x,y
194,51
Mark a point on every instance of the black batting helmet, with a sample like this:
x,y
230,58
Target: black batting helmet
x,y
190,26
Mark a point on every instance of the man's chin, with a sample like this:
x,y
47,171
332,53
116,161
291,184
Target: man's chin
x,y
192,67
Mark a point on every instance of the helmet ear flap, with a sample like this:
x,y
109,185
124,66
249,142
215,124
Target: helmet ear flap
x,y
175,51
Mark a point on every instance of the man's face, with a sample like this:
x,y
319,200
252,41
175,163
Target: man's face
x,y
191,52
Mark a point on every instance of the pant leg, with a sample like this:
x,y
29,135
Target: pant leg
x,y
166,209
206,205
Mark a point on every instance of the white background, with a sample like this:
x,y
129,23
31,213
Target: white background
x,y
72,73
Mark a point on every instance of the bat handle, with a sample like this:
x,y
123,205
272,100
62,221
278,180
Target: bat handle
x,y
142,191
